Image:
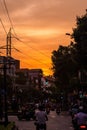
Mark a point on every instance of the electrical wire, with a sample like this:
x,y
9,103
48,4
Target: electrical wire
x,y
33,58
16,35
9,16
23,61
32,48
3,26
25,43
28,63
3,47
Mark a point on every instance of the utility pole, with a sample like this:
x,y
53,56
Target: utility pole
x,y
8,44
6,62
5,91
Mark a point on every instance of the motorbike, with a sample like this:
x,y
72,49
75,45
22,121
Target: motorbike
x,y
58,112
40,126
81,127
47,110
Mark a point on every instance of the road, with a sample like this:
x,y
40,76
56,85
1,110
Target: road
x,y
55,122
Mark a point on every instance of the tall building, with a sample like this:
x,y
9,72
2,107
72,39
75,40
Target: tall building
x,y
35,76
11,65
17,64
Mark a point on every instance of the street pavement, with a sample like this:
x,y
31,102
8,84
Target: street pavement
x,y
55,122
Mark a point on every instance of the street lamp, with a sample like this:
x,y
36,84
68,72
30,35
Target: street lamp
x,y
68,34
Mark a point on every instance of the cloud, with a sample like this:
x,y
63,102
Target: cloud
x,y
43,13
40,23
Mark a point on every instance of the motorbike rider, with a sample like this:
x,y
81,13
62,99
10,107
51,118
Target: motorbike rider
x,y
41,118
80,118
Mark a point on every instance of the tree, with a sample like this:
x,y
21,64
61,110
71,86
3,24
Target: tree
x,y
64,65
80,37
69,60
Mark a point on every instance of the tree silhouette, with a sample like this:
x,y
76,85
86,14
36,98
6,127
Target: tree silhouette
x,y
69,60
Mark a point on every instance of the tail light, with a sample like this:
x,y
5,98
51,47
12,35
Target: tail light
x,y
83,126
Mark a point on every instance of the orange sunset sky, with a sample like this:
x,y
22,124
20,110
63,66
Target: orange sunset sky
x,y
38,28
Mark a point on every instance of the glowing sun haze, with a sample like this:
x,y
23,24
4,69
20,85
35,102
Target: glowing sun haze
x,y
40,26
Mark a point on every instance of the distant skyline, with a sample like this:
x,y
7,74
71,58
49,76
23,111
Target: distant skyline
x,y
38,28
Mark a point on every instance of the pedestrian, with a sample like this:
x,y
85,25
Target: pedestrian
x,y
41,118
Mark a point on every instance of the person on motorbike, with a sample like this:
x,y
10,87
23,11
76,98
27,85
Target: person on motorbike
x,y
80,118
41,118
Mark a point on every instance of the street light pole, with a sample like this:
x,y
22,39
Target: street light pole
x,y
5,95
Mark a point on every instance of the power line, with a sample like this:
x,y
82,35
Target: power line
x,y
9,16
30,64
17,49
24,61
33,58
31,47
2,6
15,33
3,26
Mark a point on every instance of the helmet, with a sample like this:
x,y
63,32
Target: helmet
x,y
80,108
